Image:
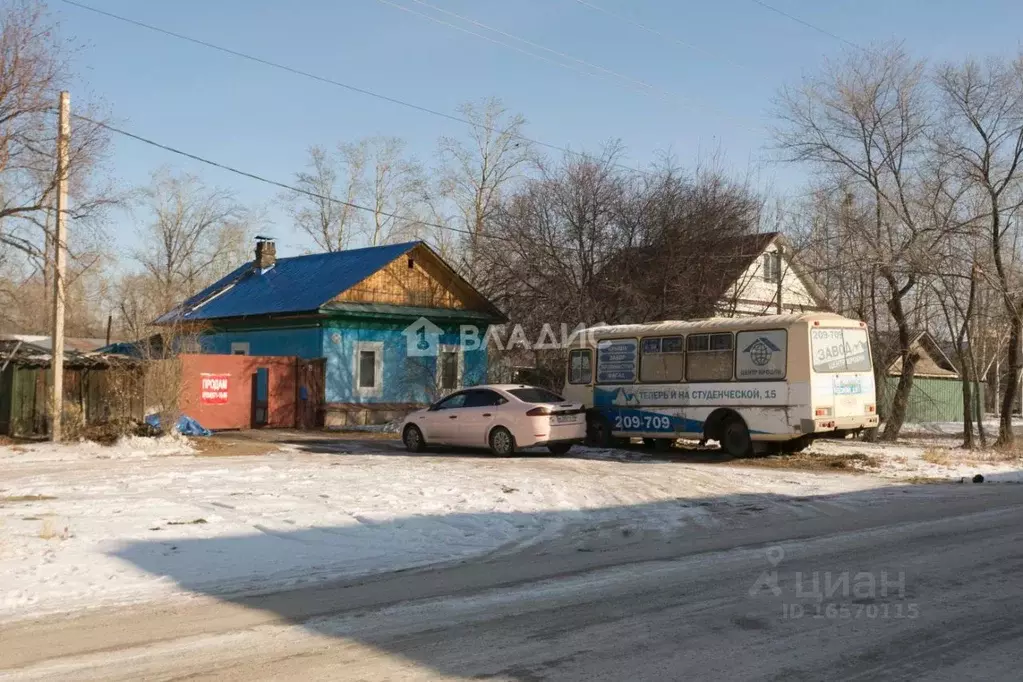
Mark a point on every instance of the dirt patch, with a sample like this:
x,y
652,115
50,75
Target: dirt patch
x,y
853,463
939,456
364,435
227,446
949,457
927,480
26,498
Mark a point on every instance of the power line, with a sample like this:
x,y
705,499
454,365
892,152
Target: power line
x,y
596,67
660,34
268,181
641,85
809,25
298,190
340,84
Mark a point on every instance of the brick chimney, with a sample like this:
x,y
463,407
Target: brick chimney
x,y
266,253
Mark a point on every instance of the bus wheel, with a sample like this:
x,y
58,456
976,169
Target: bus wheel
x,y
598,432
735,438
663,444
790,447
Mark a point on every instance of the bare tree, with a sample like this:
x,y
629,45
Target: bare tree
x,y
34,67
194,236
863,123
331,183
476,172
982,138
395,190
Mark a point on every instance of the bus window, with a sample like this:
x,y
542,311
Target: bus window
x,y
709,357
760,355
580,367
617,361
662,360
840,350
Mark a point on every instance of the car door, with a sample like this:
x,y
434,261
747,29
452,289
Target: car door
x,y
442,426
476,416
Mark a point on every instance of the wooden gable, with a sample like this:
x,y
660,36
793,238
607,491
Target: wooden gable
x,y
417,279
931,361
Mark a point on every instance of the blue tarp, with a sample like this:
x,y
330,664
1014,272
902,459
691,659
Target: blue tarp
x,y
186,425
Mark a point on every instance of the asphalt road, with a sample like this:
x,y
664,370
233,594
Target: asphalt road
x,y
925,584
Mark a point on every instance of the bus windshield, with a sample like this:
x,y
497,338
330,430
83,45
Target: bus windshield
x,y
840,350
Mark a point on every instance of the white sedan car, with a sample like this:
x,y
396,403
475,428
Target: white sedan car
x,y
503,418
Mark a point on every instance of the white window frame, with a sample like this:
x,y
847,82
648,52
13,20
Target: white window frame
x,y
459,380
377,347
771,265
240,348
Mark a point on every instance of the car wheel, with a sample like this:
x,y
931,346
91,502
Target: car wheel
x,y
502,443
735,439
413,438
559,448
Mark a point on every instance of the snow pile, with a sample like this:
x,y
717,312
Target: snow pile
x,y
134,528
128,447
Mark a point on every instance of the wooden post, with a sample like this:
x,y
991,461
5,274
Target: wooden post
x,y
59,255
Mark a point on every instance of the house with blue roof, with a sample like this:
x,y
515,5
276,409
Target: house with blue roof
x,y
388,323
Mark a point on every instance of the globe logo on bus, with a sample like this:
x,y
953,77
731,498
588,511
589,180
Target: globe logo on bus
x,y
761,351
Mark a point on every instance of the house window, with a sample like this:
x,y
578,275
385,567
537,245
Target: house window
x,y
449,368
772,266
368,370
240,348
661,359
709,357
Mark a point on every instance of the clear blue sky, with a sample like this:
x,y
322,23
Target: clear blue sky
x,y
262,120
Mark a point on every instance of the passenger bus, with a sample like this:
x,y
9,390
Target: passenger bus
x,y
760,383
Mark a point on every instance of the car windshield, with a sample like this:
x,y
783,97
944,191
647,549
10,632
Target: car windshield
x,y
536,395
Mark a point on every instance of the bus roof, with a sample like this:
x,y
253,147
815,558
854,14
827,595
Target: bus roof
x,y
714,324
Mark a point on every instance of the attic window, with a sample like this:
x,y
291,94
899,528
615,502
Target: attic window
x,y
411,264
772,266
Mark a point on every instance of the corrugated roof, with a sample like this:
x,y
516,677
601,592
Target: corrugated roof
x,y
44,342
293,285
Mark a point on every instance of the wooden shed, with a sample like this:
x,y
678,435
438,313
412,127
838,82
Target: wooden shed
x,y
98,387
937,394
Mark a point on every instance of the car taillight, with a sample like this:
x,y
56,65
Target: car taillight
x,y
539,412
823,412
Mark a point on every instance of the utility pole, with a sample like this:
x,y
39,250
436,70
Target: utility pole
x,y
59,256
778,255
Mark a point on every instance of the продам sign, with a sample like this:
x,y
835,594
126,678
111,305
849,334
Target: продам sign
x,y
214,389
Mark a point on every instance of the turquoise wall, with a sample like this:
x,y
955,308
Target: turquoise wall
x,y
405,380
303,341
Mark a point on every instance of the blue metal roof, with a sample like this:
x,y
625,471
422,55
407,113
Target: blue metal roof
x,y
293,285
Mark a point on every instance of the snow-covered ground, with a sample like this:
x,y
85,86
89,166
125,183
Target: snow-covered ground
x,y
86,525
953,428
922,458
